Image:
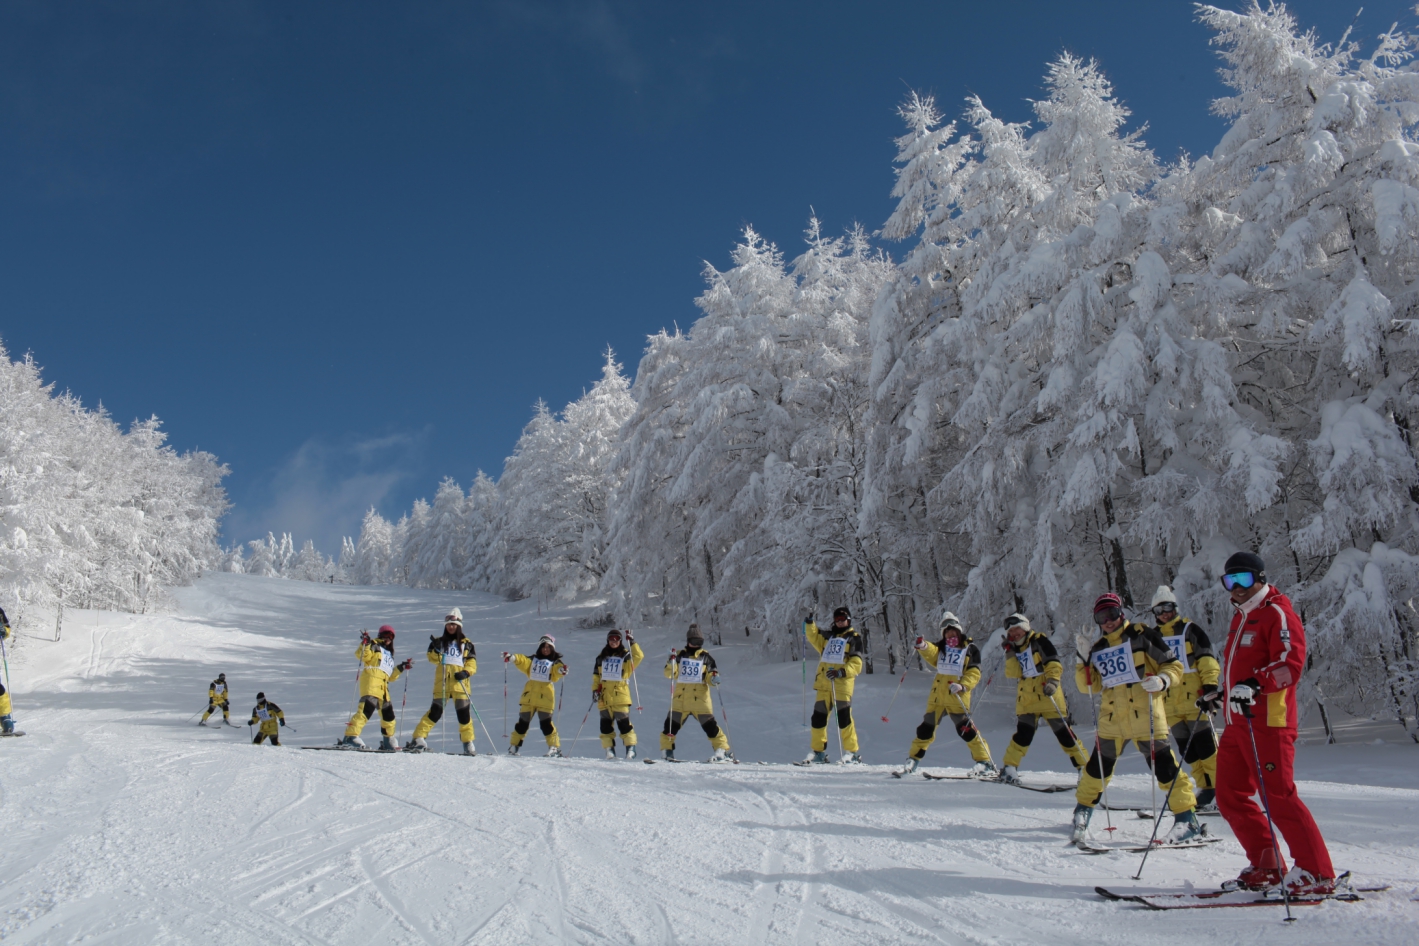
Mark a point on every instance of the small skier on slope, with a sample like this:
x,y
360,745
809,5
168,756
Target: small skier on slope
x,y
218,695
692,670
1264,656
838,666
1131,666
539,696
379,672
1196,741
7,721
610,685
1030,657
271,720
456,660
957,664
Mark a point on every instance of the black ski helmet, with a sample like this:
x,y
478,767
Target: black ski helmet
x,y
221,676
842,612
261,697
1245,562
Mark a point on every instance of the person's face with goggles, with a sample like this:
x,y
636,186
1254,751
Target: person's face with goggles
x,y
1241,585
1165,611
1109,619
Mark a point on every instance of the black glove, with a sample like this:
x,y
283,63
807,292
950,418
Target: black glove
x,y
283,720
1209,699
834,673
1243,695
462,675
809,620
407,665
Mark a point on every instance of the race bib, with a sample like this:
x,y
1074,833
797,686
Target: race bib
x,y
386,662
835,650
611,669
1026,660
1115,665
691,671
220,689
1178,645
950,661
261,714
453,654
541,670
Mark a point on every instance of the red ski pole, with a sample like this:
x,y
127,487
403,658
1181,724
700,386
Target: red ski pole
x,y
894,695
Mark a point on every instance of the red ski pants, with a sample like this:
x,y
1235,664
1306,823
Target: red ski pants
x,y
1236,784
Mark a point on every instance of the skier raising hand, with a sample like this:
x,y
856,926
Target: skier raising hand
x,y
380,671
1191,645
957,664
841,662
1030,657
271,720
544,668
613,693
1132,667
455,660
693,671
217,695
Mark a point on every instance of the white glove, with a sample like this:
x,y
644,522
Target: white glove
x,y
1155,684
1243,694
920,643
956,688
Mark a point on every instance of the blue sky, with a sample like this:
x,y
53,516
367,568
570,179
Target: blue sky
x,y
346,246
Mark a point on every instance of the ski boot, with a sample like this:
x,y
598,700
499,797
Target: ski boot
x,y
721,755
468,749
817,757
610,753
984,769
351,742
416,745
631,753
514,749
1300,885
1082,814
1185,827
1010,775
1207,801
555,752
202,723
911,766
1254,878
387,744
852,758
7,724
668,755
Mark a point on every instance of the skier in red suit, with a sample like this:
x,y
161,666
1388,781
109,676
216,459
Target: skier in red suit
x,y
1262,661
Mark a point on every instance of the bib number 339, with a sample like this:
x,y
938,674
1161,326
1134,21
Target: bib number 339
x,y
1115,665
691,671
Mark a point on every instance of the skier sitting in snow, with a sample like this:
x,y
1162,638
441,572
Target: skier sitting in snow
x,y
838,667
1191,645
957,664
270,717
609,685
7,721
693,672
1131,666
1030,657
379,672
543,668
217,695
456,661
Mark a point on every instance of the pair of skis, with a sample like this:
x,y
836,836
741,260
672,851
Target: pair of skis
x,y
996,780
1201,840
1216,899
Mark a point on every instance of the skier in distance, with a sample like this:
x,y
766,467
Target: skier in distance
x,y
7,720
1193,648
840,662
455,660
1132,667
1264,656
270,718
218,695
539,696
1030,658
610,685
957,663
379,672
692,670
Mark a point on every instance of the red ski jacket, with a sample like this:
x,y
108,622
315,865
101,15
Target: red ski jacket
x,y
1267,644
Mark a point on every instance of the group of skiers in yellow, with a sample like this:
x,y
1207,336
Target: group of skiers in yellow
x,y
266,716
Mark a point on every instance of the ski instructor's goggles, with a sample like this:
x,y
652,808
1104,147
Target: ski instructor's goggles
x,y
1238,580
1105,615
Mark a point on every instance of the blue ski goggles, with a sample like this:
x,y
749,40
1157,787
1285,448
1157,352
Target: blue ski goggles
x,y
1238,580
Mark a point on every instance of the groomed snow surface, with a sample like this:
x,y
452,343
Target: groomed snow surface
x,y
126,823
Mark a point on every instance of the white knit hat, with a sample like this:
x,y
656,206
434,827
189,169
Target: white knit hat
x,y
1017,619
950,620
454,616
1164,593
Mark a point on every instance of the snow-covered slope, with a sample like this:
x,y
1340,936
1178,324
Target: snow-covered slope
x,y
125,823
